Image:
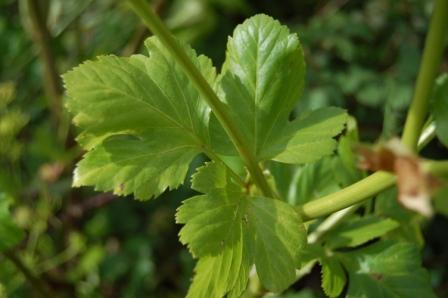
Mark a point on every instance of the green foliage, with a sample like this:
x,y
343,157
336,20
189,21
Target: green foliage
x,y
313,134
357,231
126,106
313,181
261,80
228,225
386,205
264,67
12,121
325,176
387,269
165,115
333,277
382,269
10,233
144,129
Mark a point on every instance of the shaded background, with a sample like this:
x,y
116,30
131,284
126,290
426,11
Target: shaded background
x,y
360,55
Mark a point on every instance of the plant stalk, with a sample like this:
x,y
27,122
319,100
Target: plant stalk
x,y
42,38
430,64
330,223
436,167
157,27
357,192
348,196
379,181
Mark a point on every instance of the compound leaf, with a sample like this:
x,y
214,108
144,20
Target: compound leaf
x,y
149,105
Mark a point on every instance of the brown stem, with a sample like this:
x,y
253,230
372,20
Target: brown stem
x,y
42,38
76,211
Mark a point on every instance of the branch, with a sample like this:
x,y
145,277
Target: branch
x,y
156,25
76,211
42,38
432,57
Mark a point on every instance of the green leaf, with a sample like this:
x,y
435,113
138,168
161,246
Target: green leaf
x,y
357,231
225,273
310,137
333,277
212,221
262,78
10,233
387,269
386,205
141,119
143,167
440,108
302,184
278,238
312,181
226,220
346,162
283,175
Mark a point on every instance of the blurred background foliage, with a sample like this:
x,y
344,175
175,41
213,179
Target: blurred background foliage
x,y
361,55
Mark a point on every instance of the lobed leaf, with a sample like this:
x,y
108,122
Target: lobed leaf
x,y
310,137
142,167
226,220
141,119
262,79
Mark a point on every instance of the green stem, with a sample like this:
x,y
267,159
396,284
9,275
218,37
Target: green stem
x,y
379,181
432,57
157,27
436,167
348,196
357,192
330,223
